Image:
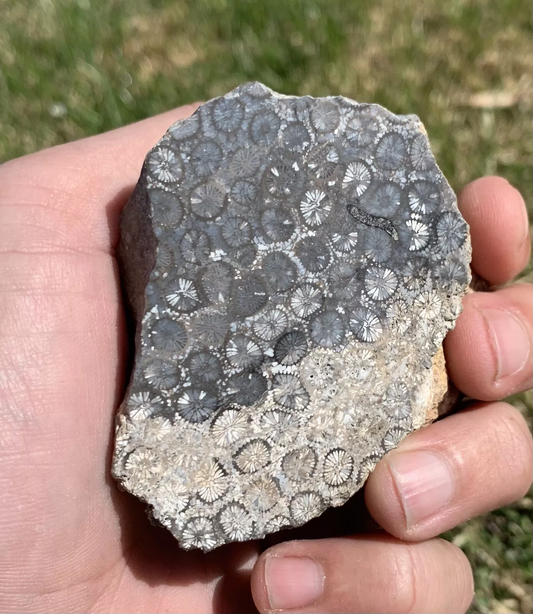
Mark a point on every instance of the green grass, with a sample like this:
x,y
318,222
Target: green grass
x,y
69,69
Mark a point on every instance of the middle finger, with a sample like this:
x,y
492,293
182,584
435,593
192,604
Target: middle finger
x,y
489,353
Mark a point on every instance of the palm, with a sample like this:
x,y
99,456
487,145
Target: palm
x,y
79,543
71,542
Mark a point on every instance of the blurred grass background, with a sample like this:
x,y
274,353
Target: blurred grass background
x,y
72,68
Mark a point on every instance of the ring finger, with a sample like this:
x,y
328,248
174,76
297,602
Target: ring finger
x,y
440,476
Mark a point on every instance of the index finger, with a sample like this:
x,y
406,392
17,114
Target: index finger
x,y
499,228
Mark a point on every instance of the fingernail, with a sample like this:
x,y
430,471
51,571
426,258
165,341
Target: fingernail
x,y
425,483
293,582
510,341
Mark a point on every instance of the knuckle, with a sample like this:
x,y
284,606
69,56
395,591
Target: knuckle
x,y
403,576
441,575
515,447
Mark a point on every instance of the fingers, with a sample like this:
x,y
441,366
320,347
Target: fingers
x,y
489,353
362,574
69,197
455,469
499,228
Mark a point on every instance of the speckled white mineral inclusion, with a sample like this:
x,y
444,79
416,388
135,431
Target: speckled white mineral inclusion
x,y
310,260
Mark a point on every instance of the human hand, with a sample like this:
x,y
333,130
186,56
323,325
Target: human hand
x,y
71,542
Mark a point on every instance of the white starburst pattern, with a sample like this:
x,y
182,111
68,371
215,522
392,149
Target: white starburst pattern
x,y
206,157
289,391
278,425
279,271
415,278
270,324
420,155
390,151
157,428
452,274
144,464
207,200
384,201
182,295
228,114
166,206
243,192
306,505
230,426
418,233
245,162
398,400
236,522
362,130
277,224
366,325
291,348
195,246
264,127
451,230
344,242
199,533
211,328
141,405
299,464
185,128
424,197
393,438
315,207
253,456
320,427
380,283
210,481
430,304
277,523
205,367
243,352
338,467
196,405
236,231
327,329
161,374
262,494
169,336
217,280
378,245
325,116
165,165
358,176
173,495
305,300
399,314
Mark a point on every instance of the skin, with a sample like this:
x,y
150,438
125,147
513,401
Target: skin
x,y
70,541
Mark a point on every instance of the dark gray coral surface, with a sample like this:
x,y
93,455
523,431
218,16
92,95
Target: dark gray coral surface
x,y
292,265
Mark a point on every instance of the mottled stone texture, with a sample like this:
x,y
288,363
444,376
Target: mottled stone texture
x,y
292,265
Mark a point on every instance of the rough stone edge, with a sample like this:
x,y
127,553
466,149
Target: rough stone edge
x,y
138,244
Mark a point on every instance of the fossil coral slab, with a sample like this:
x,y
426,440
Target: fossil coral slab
x,y
292,266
